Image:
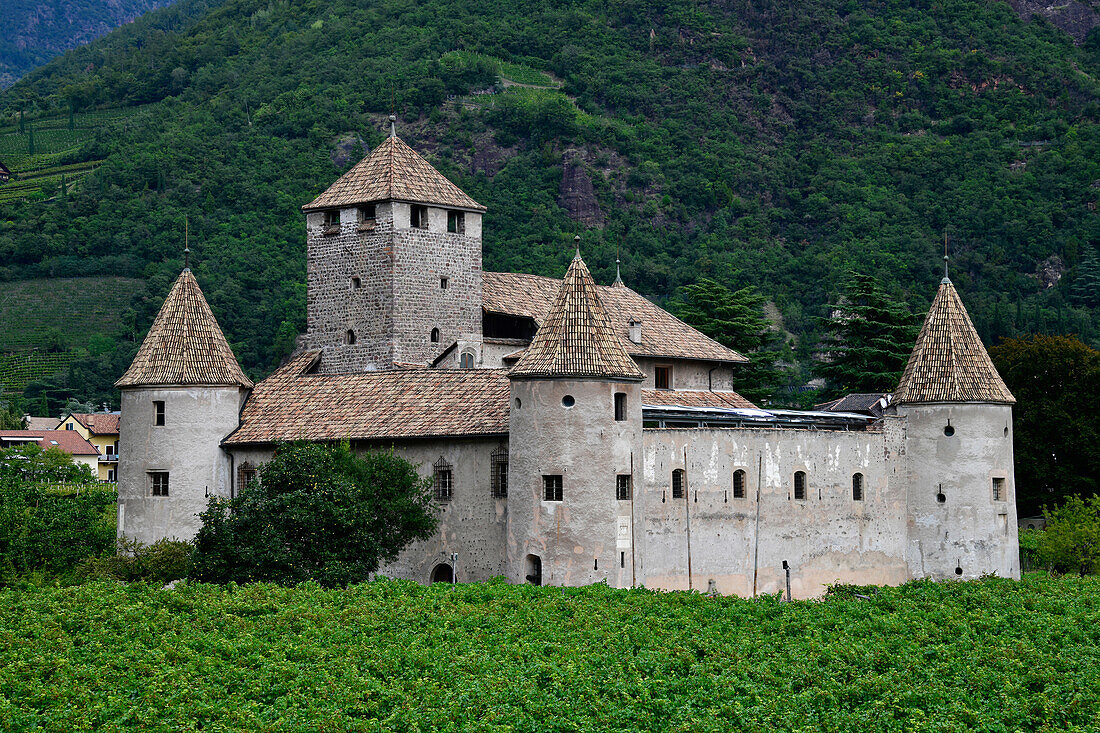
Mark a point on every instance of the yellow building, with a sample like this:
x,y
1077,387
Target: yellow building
x,y
101,430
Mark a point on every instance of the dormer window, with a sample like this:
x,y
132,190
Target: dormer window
x,y
418,217
456,222
331,223
367,217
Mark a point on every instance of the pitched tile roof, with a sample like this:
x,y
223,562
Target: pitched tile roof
x,y
67,440
184,345
42,423
663,335
693,398
949,362
99,423
866,402
405,403
393,171
576,338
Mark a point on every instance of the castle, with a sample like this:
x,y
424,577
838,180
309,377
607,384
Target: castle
x,y
575,433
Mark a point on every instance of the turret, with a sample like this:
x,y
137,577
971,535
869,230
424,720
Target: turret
x,y
180,397
958,450
393,265
575,436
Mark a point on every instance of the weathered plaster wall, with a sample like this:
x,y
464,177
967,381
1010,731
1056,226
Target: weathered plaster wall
x,y
968,530
688,374
585,538
187,446
828,537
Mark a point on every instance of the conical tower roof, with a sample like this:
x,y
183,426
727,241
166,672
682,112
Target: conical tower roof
x,y
949,362
576,338
393,172
185,344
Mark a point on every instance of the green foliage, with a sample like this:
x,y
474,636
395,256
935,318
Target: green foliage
x,y
11,415
1071,541
48,531
318,512
30,463
1056,383
159,563
736,319
869,337
992,655
1086,283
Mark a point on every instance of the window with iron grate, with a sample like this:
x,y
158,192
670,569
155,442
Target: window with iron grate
x,y
552,488
498,466
678,484
739,484
443,480
622,487
800,485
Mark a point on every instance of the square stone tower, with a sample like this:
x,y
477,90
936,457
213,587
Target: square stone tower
x,y
393,265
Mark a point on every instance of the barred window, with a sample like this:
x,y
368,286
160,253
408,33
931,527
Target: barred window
x,y
246,476
800,485
158,483
739,484
551,488
857,486
622,487
443,480
999,489
678,484
498,462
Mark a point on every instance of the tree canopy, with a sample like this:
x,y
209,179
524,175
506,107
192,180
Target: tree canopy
x,y
318,512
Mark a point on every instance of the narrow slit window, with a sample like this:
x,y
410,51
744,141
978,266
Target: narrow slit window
x,y
678,484
456,222
356,283
552,488
158,483
800,485
620,406
739,484
158,412
443,283
443,480
857,486
349,337
435,336
622,487
498,466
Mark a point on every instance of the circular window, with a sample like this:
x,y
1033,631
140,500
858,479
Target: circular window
x,y
568,401
941,498
518,403
949,431
958,570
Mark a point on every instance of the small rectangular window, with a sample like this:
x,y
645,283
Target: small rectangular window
x,y
332,221
622,487
456,222
367,218
356,283
418,217
443,283
443,480
739,484
69,426
800,485
857,487
662,377
551,488
158,412
247,477
678,484
158,483
620,406
999,490
498,466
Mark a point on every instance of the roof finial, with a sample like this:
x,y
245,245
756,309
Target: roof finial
x,y
577,242
946,279
393,125
186,247
618,274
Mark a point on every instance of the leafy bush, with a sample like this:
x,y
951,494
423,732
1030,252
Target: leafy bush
x,y
318,513
1071,542
163,561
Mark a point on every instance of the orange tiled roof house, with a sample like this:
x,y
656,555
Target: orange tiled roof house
x,y
576,433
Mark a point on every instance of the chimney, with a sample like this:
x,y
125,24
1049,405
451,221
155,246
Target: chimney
x,y
635,332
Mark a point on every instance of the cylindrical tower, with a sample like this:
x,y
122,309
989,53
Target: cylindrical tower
x,y
575,435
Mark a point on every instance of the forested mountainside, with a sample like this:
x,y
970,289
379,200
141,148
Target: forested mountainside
x,y
37,30
777,143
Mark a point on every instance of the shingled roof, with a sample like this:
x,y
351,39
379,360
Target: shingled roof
x,y
694,398
393,172
405,403
185,345
576,338
99,423
663,335
949,362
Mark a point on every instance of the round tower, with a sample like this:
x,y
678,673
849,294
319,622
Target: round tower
x,y
575,436
181,396
958,449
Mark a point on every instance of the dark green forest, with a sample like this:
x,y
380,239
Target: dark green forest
x,y
781,144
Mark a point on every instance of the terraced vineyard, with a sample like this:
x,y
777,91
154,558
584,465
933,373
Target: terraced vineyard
x,y
44,152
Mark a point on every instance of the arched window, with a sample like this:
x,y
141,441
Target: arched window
x,y
800,484
435,335
739,484
857,486
349,337
533,574
466,360
443,573
678,484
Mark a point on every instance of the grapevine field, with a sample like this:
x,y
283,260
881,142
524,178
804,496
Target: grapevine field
x,y
990,655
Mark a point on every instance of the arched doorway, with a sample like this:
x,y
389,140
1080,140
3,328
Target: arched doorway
x,y
533,573
443,573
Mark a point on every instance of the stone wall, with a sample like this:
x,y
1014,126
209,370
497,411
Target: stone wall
x,y
689,374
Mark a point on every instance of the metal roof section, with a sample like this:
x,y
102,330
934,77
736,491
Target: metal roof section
x,y
681,416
